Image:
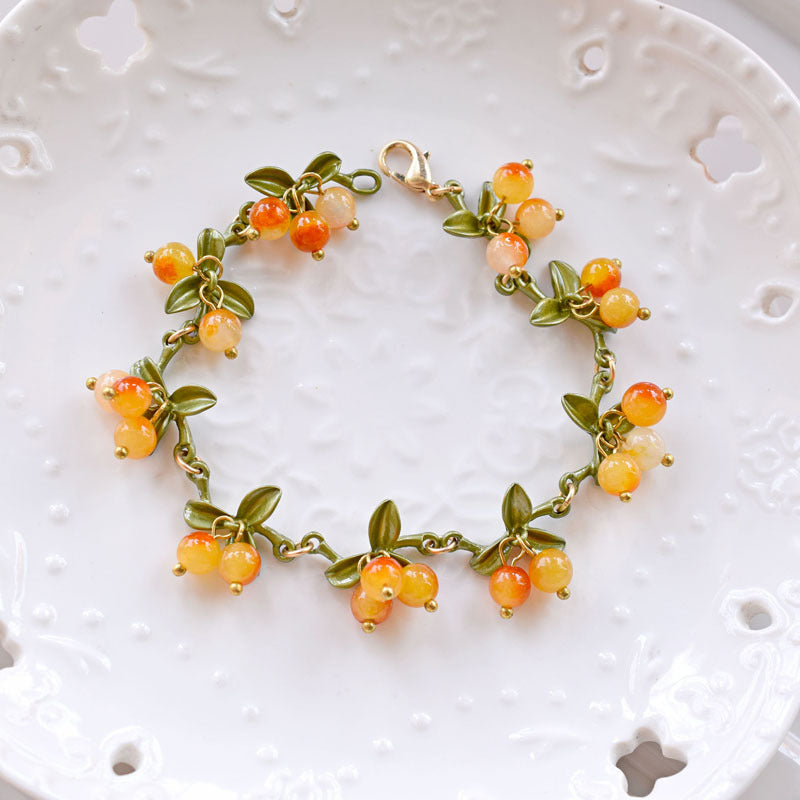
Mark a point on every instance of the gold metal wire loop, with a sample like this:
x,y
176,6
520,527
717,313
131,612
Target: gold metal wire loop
x,y
611,366
205,258
176,335
429,545
180,454
296,550
367,557
210,304
562,506
226,518
316,176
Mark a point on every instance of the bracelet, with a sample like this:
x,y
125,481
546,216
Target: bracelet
x,y
623,442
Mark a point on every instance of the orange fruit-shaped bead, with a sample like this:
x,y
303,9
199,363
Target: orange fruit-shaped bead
x,y
309,231
513,182
382,578
367,610
509,586
506,250
619,473
338,206
107,381
600,276
132,396
419,585
220,330
173,262
135,437
239,563
535,218
199,553
271,217
619,308
551,570
644,404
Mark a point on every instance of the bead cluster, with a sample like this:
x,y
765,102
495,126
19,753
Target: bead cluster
x,y
624,442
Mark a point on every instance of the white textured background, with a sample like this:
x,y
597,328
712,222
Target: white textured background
x,y
779,44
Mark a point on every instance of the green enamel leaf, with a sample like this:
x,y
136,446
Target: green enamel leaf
x,y
487,560
201,515
581,410
517,508
163,421
384,527
189,400
210,242
270,180
258,505
463,223
184,295
543,540
548,312
326,165
343,573
147,370
488,199
237,299
565,279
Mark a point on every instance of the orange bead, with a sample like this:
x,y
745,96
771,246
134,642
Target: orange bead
x,y
135,437
366,610
619,473
199,553
600,276
271,217
513,182
619,308
309,231
535,218
172,262
106,381
132,397
239,563
419,585
220,330
506,250
551,570
381,578
509,586
644,404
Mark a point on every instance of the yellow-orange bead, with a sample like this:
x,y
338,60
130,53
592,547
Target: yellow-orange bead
x,y
239,563
644,404
172,262
220,330
338,206
551,570
271,217
199,553
509,586
513,182
309,231
137,435
506,250
132,396
600,276
419,585
535,218
619,308
619,473
367,610
646,446
382,578
106,381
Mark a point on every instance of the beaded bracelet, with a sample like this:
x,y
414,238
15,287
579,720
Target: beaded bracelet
x,y
623,442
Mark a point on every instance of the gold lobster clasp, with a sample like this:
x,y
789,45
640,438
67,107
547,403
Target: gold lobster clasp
x,y
418,176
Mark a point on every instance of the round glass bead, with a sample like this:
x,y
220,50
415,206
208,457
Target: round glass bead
x,y
619,473
513,182
509,586
644,404
381,576
646,446
137,435
619,308
173,262
551,570
105,381
220,330
309,231
271,217
338,206
600,276
419,585
239,562
506,250
535,218
132,396
199,553
367,610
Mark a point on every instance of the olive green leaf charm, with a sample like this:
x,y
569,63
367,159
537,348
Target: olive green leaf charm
x,y
549,312
190,400
270,180
517,508
384,527
464,223
210,242
582,411
257,506
565,280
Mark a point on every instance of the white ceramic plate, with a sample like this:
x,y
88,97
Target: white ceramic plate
x,y
393,368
